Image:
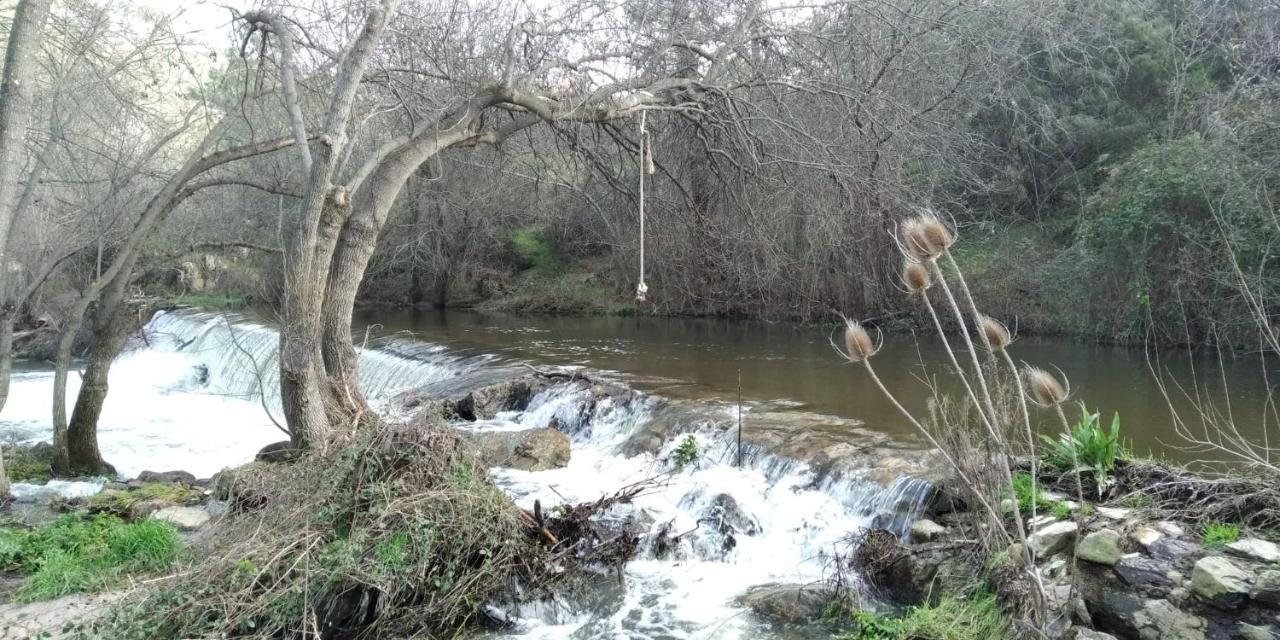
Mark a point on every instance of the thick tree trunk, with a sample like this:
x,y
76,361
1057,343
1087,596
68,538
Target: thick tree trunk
x,y
62,368
15,110
114,320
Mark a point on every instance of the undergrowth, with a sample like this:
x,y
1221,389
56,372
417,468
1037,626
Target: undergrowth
x,y
976,617
80,552
1217,535
1095,447
398,534
211,300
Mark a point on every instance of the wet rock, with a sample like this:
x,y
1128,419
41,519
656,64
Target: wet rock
x,y
283,451
787,603
1160,619
1144,574
727,516
1257,632
1175,550
926,531
1266,588
1052,538
1100,547
528,450
167,477
915,574
1145,536
184,518
1220,581
1114,513
1256,549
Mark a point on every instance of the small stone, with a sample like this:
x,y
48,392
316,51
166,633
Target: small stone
x,y
1220,581
1256,549
1163,620
1041,520
1266,589
184,518
1100,547
1113,513
1085,633
1145,536
1052,538
1053,496
1008,505
1257,632
926,531
1056,568
1170,529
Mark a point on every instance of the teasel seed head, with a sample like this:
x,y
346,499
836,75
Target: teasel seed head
x,y
1044,388
994,334
858,345
925,237
916,276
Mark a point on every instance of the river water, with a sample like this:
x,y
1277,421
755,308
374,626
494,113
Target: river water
x,y
199,396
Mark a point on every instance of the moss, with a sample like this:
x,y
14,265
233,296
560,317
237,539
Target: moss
x,y
122,503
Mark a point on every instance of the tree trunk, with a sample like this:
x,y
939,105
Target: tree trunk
x,y
15,110
113,322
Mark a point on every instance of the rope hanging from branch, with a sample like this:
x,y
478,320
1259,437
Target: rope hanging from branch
x,y
646,168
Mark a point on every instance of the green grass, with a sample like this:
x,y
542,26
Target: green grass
x,y
28,464
1060,510
532,249
212,300
79,552
1218,535
121,502
953,618
1022,493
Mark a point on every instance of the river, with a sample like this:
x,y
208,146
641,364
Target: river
x,y
199,395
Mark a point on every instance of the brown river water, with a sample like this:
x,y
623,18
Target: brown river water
x,y
795,365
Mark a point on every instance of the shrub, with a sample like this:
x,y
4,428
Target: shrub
x,y
533,250
687,453
1096,448
1218,535
82,552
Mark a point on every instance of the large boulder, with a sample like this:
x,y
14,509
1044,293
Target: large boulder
x,y
282,451
528,450
1255,549
926,531
787,603
1220,581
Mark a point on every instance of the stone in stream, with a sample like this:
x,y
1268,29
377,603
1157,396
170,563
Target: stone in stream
x,y
926,531
184,518
528,450
1145,536
1256,549
787,603
1100,547
1220,581
167,477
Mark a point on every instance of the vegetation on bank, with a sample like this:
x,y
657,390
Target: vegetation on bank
x,y
973,616
223,300
84,552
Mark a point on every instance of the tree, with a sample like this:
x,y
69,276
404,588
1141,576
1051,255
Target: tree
x,y
15,118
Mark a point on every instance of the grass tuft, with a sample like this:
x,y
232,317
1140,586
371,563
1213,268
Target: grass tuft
x,y
1217,535
975,617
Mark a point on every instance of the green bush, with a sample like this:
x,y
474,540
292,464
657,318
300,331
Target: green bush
x,y
533,250
687,453
1096,448
79,552
1218,535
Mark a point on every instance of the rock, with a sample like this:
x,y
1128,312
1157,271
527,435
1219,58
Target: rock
x,y
1145,536
1257,632
1266,589
926,531
1170,529
1100,547
1084,633
528,450
168,477
1052,538
282,451
1256,549
1008,505
1220,581
1159,619
787,603
1114,513
1176,550
143,508
1145,574
184,518
1041,520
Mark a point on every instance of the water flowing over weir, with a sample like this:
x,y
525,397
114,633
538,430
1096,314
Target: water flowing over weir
x,y
192,397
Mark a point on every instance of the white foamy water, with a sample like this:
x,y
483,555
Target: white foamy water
x,y
190,400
